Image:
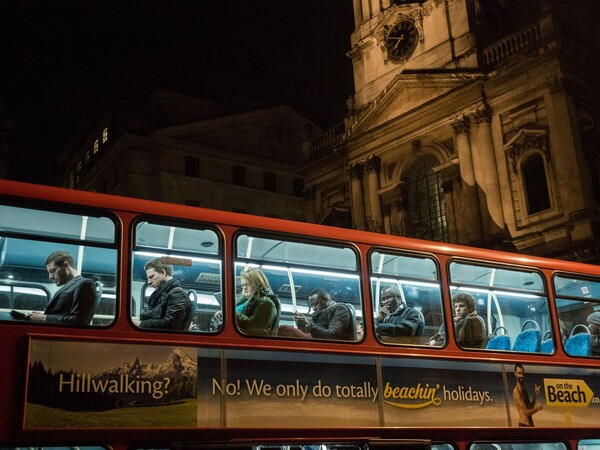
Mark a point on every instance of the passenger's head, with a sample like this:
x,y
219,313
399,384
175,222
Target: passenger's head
x,y
61,267
253,280
390,298
593,321
463,305
318,299
360,331
158,273
519,373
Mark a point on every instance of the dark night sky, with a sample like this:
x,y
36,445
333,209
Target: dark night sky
x,y
62,60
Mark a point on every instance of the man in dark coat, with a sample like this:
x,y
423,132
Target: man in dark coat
x,y
396,321
75,302
330,320
168,305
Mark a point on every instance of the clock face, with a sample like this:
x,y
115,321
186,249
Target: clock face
x,y
401,40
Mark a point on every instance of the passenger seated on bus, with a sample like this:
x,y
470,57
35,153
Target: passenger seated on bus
x,y
469,328
360,330
593,321
169,304
75,302
330,320
260,314
396,320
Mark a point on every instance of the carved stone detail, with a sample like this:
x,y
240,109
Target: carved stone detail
x,y
527,142
483,114
372,164
461,124
356,171
416,145
557,83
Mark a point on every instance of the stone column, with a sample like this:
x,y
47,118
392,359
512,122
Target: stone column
x,y
466,207
387,219
375,215
490,183
447,186
357,12
356,190
365,9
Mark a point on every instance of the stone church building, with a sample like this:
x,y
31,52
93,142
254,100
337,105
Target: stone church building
x,y
473,121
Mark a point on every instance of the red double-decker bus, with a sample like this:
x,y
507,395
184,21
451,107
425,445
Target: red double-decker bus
x,y
498,350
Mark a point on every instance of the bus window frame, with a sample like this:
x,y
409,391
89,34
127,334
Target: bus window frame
x,y
579,299
190,224
374,297
455,286
298,239
76,211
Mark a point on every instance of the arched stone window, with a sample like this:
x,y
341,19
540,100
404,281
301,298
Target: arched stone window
x,y
535,184
425,213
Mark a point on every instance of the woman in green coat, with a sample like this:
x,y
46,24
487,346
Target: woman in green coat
x,y
259,316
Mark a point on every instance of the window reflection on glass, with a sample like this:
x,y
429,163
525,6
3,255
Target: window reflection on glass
x,y
298,290
177,278
509,307
578,306
407,298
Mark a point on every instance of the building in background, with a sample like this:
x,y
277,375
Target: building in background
x,y
473,121
184,150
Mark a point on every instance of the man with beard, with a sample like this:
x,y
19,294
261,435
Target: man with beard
x,y
396,321
526,407
75,302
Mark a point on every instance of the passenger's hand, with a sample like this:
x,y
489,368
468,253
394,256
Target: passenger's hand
x,y
537,388
300,319
37,316
383,312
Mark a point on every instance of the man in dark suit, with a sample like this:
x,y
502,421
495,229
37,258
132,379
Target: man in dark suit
x,y
75,302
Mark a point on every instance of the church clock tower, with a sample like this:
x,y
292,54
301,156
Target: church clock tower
x,y
394,37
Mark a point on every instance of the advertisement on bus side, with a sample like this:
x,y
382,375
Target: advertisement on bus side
x,y
112,385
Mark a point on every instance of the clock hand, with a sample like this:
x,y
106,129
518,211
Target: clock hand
x,y
398,41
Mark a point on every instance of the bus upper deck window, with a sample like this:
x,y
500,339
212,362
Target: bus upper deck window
x,y
407,300
578,306
297,289
498,308
177,273
59,267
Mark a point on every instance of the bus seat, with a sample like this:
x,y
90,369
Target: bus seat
x,y
190,310
99,290
106,306
528,340
420,331
578,344
275,324
353,321
547,345
499,341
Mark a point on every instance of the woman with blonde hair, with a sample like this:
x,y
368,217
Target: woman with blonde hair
x,y
259,315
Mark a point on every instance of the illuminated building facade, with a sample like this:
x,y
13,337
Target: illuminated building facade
x,y
472,122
